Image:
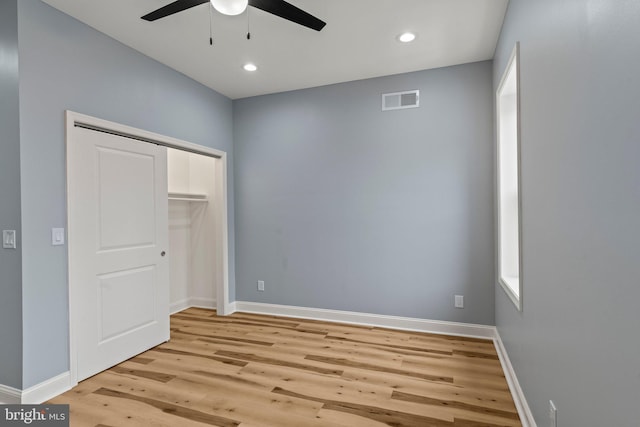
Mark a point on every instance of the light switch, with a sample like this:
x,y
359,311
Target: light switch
x,y
9,239
57,236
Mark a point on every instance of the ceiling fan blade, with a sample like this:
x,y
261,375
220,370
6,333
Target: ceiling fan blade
x,y
288,11
171,8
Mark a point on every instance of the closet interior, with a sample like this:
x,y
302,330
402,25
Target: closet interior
x,y
192,243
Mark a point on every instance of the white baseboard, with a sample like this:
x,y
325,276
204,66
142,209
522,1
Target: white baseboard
x,y
9,395
382,321
526,417
192,302
38,393
203,302
230,308
47,389
179,306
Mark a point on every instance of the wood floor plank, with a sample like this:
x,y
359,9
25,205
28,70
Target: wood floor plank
x,y
141,360
393,347
171,409
95,409
498,399
461,366
250,370
250,357
326,387
304,347
331,418
385,416
343,362
224,360
144,373
454,404
333,389
183,396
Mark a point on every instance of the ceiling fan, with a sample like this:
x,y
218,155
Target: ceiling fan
x,y
235,7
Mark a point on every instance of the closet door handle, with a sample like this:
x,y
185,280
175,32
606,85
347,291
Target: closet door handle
x,y
163,253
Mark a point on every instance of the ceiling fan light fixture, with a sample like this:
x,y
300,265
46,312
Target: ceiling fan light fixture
x,y
230,7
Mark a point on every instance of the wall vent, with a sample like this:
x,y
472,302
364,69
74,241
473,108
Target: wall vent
x,y
400,100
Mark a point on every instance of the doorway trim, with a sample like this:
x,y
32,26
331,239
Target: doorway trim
x,y
220,202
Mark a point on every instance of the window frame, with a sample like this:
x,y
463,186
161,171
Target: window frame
x,y
513,65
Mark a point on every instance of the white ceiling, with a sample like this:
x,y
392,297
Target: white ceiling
x,y
358,42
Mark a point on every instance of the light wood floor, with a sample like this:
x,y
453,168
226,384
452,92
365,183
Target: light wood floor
x,y
250,370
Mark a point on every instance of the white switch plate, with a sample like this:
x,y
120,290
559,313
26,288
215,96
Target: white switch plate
x,y
57,236
9,239
459,301
261,285
553,414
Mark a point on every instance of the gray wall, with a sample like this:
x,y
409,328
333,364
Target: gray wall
x,y
10,259
342,206
65,64
576,342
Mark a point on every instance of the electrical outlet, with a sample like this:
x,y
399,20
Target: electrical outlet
x,y
553,414
261,285
9,239
57,236
459,301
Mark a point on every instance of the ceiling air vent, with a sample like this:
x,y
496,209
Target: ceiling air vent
x,y
400,100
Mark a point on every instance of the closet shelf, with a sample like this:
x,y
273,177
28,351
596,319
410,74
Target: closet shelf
x,y
189,197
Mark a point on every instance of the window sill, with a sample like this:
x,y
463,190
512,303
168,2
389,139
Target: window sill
x,y
511,286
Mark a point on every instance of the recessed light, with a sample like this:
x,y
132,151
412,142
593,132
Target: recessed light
x,y
249,67
407,37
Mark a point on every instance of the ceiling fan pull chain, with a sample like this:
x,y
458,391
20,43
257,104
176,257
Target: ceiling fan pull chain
x,y
210,24
248,26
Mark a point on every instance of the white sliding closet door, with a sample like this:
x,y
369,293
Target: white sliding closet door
x,y
119,219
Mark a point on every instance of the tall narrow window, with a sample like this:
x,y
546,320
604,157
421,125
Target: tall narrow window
x,y
508,135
